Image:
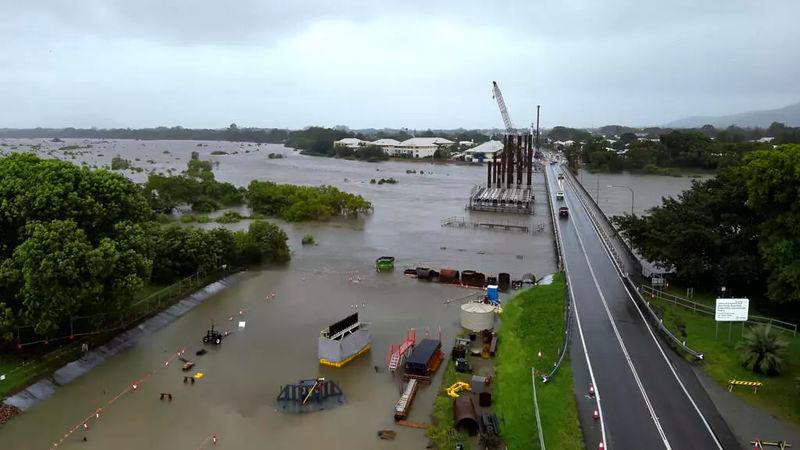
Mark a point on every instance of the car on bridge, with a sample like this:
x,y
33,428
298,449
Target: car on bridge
x,y
560,176
563,212
560,196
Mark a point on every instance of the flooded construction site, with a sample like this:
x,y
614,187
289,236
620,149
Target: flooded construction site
x,y
275,314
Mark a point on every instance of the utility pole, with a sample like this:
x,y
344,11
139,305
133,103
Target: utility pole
x,y
537,126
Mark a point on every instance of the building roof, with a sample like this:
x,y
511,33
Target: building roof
x,y
350,141
486,147
425,142
385,142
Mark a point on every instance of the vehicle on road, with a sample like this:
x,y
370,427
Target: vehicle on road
x,y
560,196
560,176
563,212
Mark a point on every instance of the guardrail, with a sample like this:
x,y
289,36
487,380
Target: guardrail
x,y
557,240
618,265
567,299
700,308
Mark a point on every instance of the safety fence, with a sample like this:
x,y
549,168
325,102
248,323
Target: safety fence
x,y
557,240
567,299
593,211
79,326
699,308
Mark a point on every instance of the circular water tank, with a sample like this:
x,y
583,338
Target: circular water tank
x,y
477,316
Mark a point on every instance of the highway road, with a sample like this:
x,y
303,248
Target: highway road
x,y
647,396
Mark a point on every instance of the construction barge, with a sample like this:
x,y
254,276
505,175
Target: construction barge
x,y
424,360
403,405
343,341
309,396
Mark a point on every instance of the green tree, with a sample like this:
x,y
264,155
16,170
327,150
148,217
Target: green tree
x,y
34,189
183,251
263,242
707,235
57,273
641,154
763,350
772,178
371,153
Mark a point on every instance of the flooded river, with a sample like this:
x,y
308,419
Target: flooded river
x,y
647,190
236,397
320,285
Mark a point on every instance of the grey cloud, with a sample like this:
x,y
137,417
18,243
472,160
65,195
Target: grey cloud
x,y
369,63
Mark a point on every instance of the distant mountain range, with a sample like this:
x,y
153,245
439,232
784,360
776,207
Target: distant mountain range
x,y
788,115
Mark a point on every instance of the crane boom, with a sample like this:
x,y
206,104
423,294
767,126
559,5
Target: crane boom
x,y
502,105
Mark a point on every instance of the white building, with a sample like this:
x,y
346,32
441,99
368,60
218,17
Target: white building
x,y
350,142
421,147
389,146
484,151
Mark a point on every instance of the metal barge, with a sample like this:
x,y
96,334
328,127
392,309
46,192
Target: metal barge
x,y
403,405
343,341
425,360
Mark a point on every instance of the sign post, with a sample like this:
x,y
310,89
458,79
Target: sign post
x,y
731,310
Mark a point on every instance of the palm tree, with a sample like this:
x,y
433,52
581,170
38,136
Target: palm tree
x,y
763,350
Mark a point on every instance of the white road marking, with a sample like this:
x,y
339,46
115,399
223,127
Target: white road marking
x,y
658,344
622,344
583,341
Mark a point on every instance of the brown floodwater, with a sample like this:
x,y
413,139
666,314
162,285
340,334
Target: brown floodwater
x,y
320,285
648,190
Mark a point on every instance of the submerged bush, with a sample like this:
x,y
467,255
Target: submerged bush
x,y
298,203
229,217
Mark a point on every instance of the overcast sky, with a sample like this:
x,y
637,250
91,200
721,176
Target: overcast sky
x,y
406,63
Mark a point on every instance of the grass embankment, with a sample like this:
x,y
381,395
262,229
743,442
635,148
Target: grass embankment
x,y
533,320
442,433
780,395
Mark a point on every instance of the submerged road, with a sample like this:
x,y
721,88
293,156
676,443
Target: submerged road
x,y
647,396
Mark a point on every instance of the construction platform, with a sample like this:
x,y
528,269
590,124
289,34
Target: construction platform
x,y
494,198
461,222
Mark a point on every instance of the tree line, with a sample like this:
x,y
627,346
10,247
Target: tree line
x,y
737,230
705,148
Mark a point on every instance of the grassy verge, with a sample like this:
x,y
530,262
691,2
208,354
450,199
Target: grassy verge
x,y
442,433
532,321
22,371
779,395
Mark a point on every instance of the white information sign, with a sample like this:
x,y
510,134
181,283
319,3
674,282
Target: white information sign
x,y
732,309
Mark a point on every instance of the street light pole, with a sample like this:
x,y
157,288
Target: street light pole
x,y
628,188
